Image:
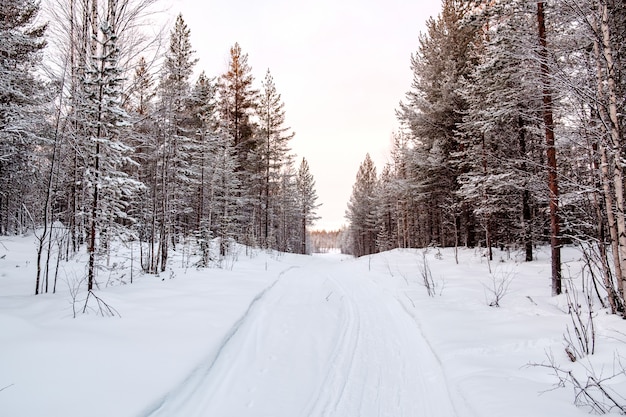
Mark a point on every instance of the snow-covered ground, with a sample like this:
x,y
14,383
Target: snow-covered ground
x,y
286,336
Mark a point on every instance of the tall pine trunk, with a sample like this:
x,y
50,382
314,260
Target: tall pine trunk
x,y
550,152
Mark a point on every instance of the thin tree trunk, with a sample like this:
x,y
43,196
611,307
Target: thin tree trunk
x,y
74,204
608,202
303,234
165,204
616,145
56,270
526,212
597,177
152,269
606,275
608,192
93,227
201,191
488,239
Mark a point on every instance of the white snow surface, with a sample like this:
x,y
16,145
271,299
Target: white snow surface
x,y
281,335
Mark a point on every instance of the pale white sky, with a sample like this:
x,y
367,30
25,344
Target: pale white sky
x,y
341,66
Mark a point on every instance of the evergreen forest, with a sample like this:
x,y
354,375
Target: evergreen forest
x,y
120,142
511,136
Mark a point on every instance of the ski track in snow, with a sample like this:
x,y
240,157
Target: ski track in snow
x,y
334,384
433,353
386,380
175,400
363,340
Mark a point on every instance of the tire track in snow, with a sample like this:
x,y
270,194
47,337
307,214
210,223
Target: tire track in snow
x,y
181,396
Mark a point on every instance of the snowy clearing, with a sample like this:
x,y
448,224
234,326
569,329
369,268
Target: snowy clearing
x,y
285,335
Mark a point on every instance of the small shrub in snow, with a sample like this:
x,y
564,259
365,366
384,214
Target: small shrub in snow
x,y
427,276
592,390
90,303
99,306
500,280
580,341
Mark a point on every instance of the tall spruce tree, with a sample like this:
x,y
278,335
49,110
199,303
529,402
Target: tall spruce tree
x,y
144,139
273,151
175,173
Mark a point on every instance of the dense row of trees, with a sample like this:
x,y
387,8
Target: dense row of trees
x,y
112,146
325,241
512,135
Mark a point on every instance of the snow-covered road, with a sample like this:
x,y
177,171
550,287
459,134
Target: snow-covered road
x,y
319,341
278,335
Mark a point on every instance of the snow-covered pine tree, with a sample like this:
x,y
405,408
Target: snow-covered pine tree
x,y
141,95
108,187
21,100
396,199
73,29
237,105
501,147
224,195
176,176
307,202
274,154
202,107
288,226
398,190
144,139
386,210
433,109
361,212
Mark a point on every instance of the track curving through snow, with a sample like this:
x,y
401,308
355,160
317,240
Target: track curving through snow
x,y
322,340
